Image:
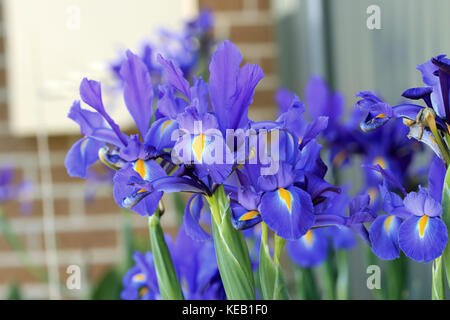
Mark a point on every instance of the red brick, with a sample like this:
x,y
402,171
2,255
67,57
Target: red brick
x,y
251,34
87,239
263,98
16,274
264,4
226,5
269,65
13,144
61,143
102,206
12,209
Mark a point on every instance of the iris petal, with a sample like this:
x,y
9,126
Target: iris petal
x,y
288,212
310,250
423,239
383,235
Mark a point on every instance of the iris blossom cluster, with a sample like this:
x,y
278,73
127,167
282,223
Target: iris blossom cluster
x,y
195,264
389,147
428,123
286,201
413,221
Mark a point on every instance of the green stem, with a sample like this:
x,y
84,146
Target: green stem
x,y
438,287
327,273
441,144
232,254
306,284
169,286
273,286
342,291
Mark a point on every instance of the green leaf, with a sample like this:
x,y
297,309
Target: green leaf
x,y
437,289
14,292
168,283
306,284
342,275
273,286
231,250
446,219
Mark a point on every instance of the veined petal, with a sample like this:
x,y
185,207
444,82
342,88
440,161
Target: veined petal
x,y
383,235
423,239
419,204
224,70
288,212
82,155
91,94
133,196
160,134
175,77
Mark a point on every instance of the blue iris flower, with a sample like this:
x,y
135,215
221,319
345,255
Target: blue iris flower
x,y
436,77
196,267
412,224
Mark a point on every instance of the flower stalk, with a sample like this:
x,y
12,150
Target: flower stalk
x,y
169,285
271,276
233,258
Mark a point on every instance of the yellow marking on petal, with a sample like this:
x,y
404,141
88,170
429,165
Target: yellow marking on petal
x,y
165,125
388,223
83,145
300,140
309,237
448,128
286,196
198,146
249,215
139,277
339,158
380,116
139,167
423,222
380,161
143,291
372,194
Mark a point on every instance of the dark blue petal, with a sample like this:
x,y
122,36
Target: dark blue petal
x,y
423,239
288,212
310,250
242,218
436,178
383,235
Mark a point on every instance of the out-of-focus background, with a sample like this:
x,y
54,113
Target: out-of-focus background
x,y
88,234
41,68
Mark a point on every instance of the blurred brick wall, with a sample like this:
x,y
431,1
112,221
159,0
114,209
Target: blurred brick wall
x,y
88,234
